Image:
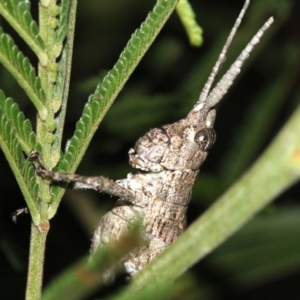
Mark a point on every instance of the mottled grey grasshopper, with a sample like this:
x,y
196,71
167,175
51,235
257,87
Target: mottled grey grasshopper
x,y
169,159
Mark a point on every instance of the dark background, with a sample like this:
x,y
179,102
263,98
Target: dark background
x,y
262,260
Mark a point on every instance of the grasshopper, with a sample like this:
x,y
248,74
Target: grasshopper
x,y
169,158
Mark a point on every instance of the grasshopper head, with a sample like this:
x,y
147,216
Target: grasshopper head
x,y
178,146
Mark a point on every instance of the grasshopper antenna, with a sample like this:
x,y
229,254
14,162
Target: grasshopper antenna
x,y
222,57
227,80
208,99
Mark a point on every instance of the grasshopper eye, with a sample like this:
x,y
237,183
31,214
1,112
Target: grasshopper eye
x,y
205,138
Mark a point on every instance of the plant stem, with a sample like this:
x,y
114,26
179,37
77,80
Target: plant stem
x,y
36,262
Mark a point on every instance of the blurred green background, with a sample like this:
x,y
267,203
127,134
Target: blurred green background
x,y
262,260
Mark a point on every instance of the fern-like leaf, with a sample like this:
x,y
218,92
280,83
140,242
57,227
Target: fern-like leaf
x,y
99,102
22,169
17,14
61,89
20,67
23,129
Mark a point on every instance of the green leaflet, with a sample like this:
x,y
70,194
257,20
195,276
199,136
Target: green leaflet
x,y
20,67
10,135
17,14
22,127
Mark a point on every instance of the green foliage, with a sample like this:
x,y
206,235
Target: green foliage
x,y
16,132
20,67
188,19
17,13
21,126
